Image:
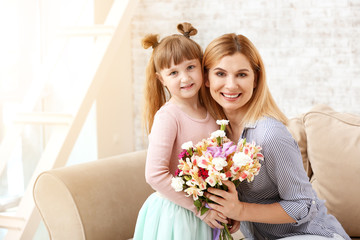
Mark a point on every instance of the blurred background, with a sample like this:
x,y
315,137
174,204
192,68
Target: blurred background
x,y
72,74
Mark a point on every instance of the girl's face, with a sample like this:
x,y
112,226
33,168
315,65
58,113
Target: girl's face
x,y
183,80
231,81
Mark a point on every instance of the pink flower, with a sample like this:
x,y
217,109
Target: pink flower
x,y
183,154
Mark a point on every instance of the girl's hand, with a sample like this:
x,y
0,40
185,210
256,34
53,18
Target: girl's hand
x,y
233,226
214,219
227,201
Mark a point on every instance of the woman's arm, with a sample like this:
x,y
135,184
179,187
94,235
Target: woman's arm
x,y
231,207
283,167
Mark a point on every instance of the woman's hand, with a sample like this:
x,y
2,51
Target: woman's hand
x,y
214,219
228,204
227,201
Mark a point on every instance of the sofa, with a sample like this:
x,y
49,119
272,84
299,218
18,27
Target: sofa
x,y
101,199
97,200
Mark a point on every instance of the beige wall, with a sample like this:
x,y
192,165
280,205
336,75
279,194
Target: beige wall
x,y
114,104
311,49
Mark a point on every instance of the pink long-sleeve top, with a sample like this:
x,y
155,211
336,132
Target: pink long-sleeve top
x,y
171,128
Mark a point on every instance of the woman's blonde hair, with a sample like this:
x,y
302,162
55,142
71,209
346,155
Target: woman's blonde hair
x,y
174,48
261,103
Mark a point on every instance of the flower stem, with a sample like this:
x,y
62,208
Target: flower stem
x,y
218,140
227,232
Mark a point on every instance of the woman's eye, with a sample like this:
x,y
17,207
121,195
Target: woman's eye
x,y
242,75
220,74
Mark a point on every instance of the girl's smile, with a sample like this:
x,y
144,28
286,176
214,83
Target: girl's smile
x,y
188,86
182,80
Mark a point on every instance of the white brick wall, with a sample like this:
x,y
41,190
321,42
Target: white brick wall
x,y
311,48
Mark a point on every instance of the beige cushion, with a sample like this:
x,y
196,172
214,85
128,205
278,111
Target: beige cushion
x,y
333,149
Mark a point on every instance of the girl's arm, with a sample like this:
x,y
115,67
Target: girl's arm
x,y
160,149
157,171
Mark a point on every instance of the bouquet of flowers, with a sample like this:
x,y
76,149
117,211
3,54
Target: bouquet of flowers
x,y
211,161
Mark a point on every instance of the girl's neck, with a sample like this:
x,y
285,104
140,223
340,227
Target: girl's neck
x,y
193,108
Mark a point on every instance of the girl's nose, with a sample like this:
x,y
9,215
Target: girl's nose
x,y
185,77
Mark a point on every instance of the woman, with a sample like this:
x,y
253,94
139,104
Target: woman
x,y
280,202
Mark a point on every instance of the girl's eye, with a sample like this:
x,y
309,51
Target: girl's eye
x,y
191,67
173,73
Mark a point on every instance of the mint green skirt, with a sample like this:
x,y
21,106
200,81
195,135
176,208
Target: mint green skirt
x,y
161,219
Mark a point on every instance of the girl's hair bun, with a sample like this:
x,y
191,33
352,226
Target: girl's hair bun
x,y
150,40
186,29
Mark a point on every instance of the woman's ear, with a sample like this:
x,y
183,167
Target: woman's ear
x,y
206,80
158,76
256,77
207,83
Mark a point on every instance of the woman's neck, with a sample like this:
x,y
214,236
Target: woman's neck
x,y
237,126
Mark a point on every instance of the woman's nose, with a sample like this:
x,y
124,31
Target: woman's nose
x,y
231,82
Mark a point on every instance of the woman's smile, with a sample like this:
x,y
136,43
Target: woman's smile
x,y
231,96
231,81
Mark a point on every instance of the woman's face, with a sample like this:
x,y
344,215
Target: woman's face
x,y
231,82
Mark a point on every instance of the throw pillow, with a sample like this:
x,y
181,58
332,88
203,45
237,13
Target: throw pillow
x,y
333,149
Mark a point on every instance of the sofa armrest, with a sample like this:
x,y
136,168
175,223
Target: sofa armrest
x,y
94,200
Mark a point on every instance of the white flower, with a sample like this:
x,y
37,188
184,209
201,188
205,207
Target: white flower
x,y
194,191
203,161
218,133
222,122
177,183
187,145
219,163
241,159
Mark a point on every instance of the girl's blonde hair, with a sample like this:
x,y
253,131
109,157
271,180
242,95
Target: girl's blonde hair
x,y
261,103
174,48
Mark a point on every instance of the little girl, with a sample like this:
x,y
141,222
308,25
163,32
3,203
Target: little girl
x,y
174,114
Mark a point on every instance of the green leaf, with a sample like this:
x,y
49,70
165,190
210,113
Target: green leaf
x,y
190,151
204,210
197,204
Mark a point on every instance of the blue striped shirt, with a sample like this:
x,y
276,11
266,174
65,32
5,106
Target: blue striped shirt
x,y
282,179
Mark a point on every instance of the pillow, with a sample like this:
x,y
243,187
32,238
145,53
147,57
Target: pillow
x,y
333,149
